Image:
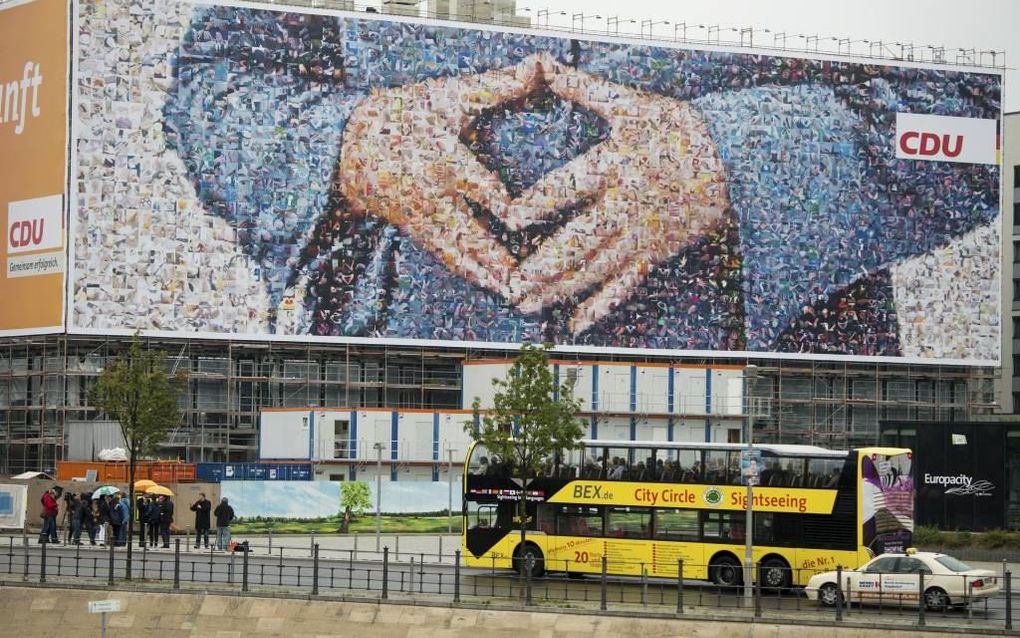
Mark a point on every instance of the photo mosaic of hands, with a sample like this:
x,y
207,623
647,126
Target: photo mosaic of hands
x,y
400,180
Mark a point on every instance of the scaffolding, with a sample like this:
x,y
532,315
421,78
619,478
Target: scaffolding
x,y
44,383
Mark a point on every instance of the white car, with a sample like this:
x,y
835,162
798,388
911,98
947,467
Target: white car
x,y
894,579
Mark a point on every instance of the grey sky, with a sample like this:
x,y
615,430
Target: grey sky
x,y
977,24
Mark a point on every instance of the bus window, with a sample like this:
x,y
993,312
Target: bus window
x,y
480,463
676,525
824,473
723,527
651,467
715,466
764,528
571,462
497,466
481,516
687,466
628,522
579,521
733,467
593,467
618,464
773,474
794,471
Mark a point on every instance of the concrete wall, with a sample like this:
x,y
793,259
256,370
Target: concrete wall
x,y
35,612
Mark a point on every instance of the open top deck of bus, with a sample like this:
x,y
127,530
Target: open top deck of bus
x,y
775,448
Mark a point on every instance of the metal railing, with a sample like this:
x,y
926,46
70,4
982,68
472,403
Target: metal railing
x,y
665,587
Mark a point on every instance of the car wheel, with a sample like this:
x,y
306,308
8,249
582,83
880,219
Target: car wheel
x,y
532,555
936,599
829,595
725,571
775,574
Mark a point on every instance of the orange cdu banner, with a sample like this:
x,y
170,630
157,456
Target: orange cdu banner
x,y
33,164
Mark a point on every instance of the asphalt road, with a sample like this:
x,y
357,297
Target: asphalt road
x,y
343,575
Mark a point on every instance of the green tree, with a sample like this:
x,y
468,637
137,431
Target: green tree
x,y
532,420
354,500
136,390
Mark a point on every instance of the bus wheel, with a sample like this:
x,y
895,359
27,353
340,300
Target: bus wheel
x,y
725,572
532,555
775,574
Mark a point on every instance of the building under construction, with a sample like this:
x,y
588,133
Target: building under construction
x,y
337,209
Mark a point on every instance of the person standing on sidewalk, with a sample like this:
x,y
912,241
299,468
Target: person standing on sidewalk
x,y
49,516
201,509
116,522
166,518
152,510
124,508
224,515
91,518
104,520
141,513
78,516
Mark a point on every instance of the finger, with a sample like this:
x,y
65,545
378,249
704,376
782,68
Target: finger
x,y
582,178
375,166
473,94
614,292
629,228
426,198
608,99
447,229
648,249
478,183
574,259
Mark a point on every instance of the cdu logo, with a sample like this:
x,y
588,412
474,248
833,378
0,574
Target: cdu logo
x,y
35,224
940,138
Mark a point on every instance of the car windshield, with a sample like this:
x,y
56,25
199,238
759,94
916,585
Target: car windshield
x,y
952,564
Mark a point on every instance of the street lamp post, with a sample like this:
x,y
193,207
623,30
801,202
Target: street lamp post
x,y
581,17
750,374
378,494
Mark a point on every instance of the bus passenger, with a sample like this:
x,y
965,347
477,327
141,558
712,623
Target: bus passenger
x,y
616,474
483,466
833,478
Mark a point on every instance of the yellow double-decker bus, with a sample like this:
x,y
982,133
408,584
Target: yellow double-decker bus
x,y
646,505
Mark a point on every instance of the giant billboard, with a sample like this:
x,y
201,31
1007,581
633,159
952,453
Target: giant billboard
x,y
33,164
245,171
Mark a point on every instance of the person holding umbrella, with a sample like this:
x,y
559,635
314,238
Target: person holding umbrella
x,y
166,511
102,496
152,519
141,506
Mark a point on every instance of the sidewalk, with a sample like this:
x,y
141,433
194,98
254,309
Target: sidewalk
x,y
432,548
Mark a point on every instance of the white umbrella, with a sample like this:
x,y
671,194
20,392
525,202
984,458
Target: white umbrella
x,y
106,490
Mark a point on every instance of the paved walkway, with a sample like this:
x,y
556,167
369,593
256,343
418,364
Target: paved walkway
x,y
433,548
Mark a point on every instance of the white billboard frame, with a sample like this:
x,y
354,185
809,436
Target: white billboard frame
x,y
686,45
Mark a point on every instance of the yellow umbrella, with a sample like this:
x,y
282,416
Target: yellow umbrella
x,y
159,490
144,484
